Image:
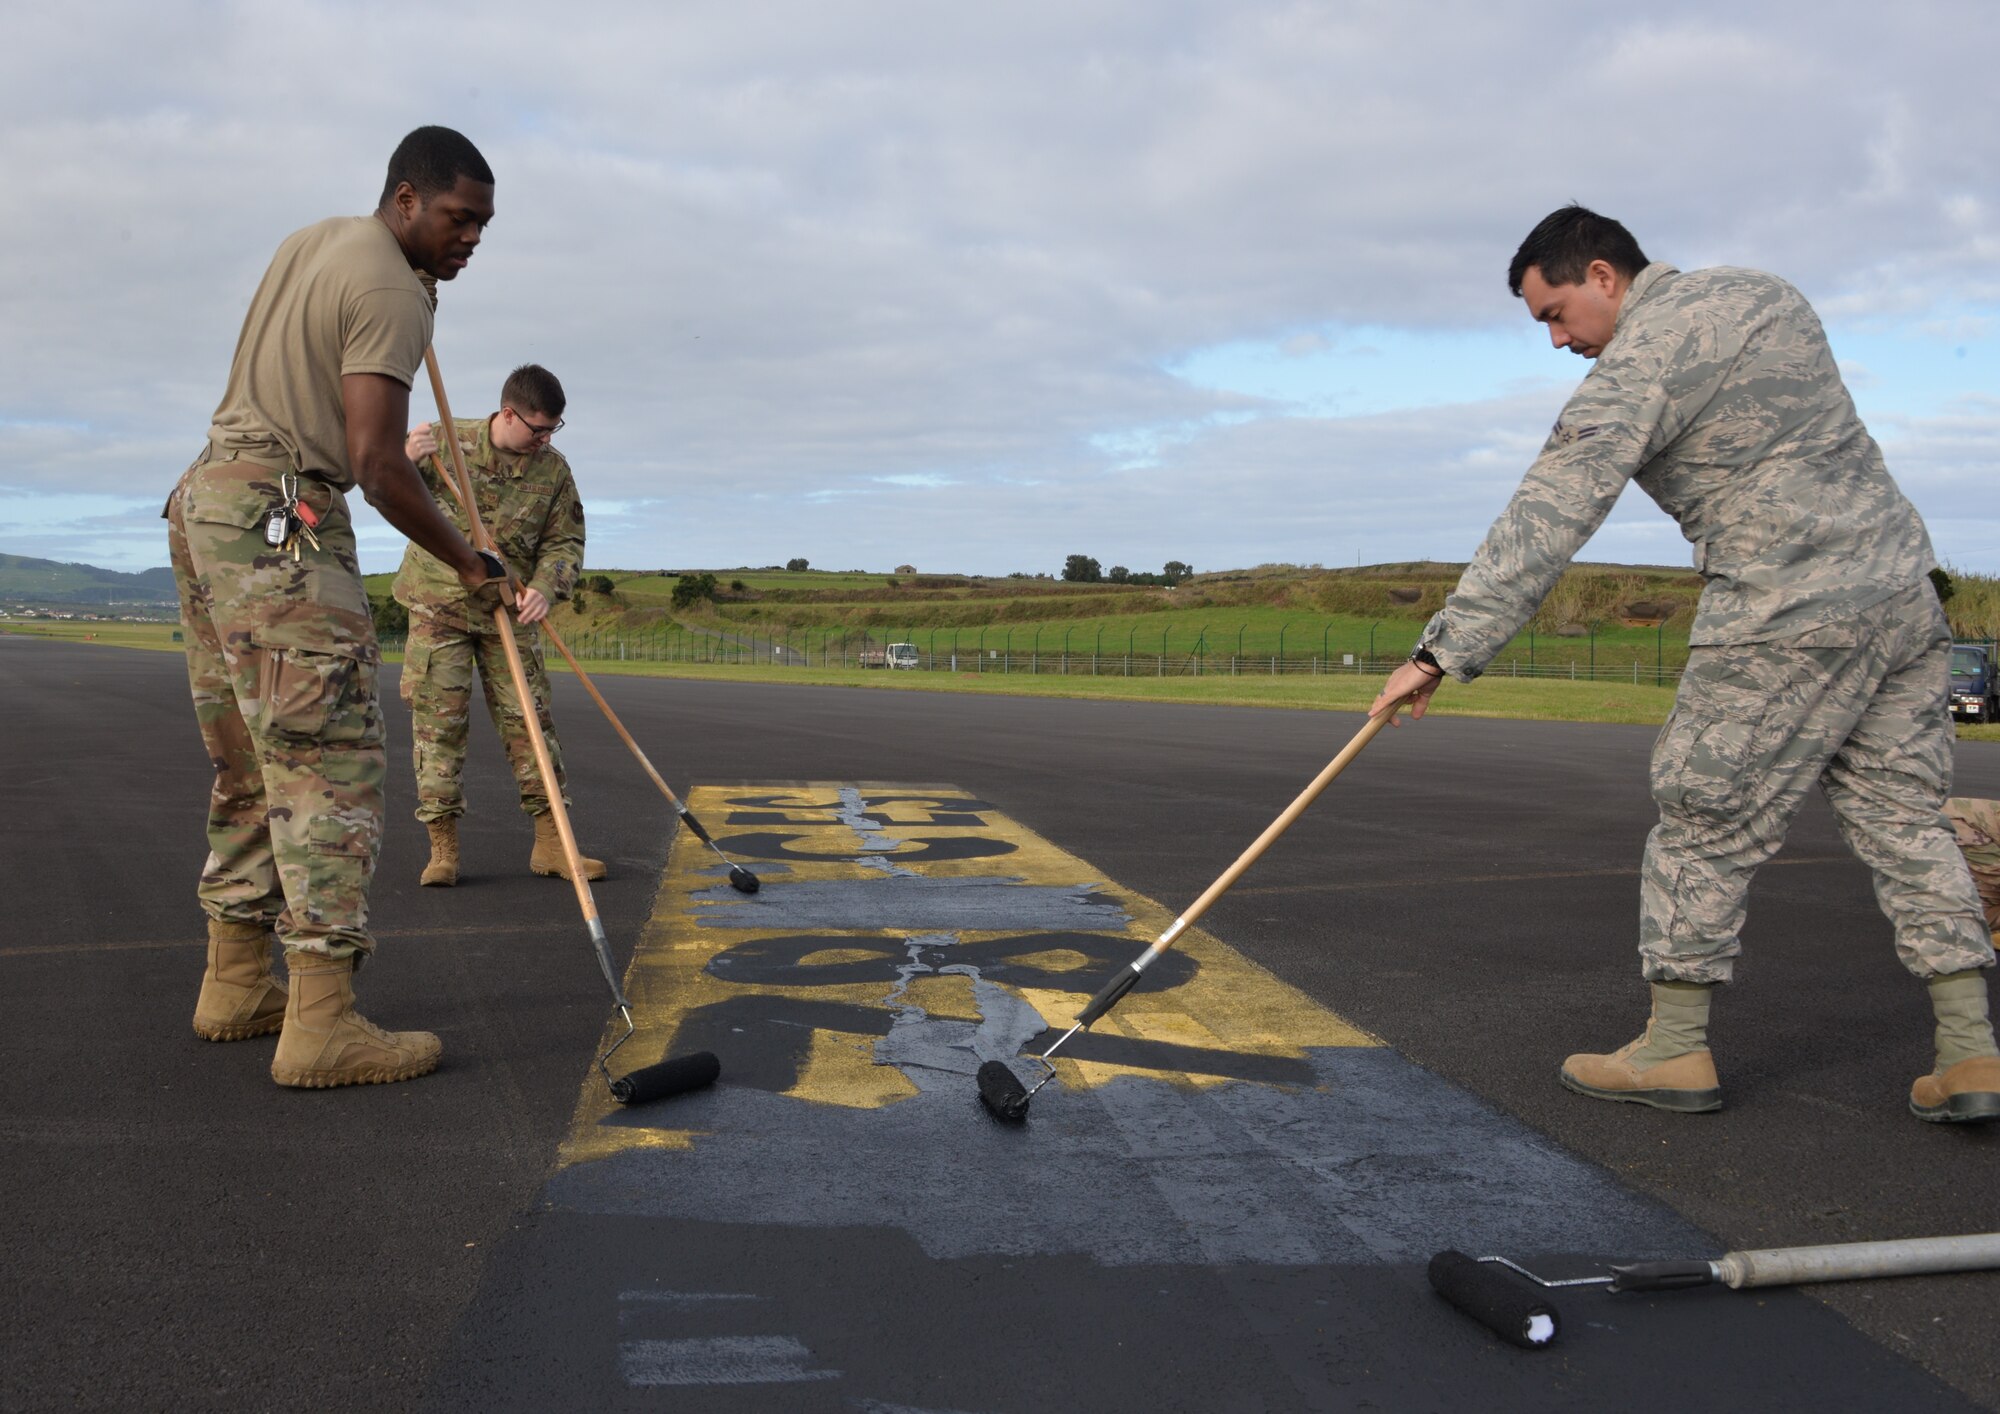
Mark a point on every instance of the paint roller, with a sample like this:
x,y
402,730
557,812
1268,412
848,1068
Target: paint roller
x,y
1482,1288
1002,1092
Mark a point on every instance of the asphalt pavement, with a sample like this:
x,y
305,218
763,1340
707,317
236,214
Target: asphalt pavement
x,y
183,1233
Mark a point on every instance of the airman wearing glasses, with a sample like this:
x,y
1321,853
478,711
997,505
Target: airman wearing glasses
x,y
527,498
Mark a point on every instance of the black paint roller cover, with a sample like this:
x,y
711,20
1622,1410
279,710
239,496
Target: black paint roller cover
x,y
674,1076
1495,1298
1002,1092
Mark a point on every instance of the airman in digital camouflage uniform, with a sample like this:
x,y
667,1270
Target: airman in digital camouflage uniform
x,y
1819,652
281,647
527,500
1977,823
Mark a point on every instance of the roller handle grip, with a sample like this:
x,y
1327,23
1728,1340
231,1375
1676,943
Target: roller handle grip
x,y
695,825
1107,997
1662,1276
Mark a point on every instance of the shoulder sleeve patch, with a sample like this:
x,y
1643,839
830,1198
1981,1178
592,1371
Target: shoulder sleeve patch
x,y
1569,434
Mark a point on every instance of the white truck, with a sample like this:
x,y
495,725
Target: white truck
x,y
896,655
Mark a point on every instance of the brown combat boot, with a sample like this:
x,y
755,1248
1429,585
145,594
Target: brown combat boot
x,y
239,996
548,854
1964,1087
1964,1093
327,1043
443,868
1669,1067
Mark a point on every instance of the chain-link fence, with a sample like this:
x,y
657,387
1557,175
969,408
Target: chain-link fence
x,y
921,654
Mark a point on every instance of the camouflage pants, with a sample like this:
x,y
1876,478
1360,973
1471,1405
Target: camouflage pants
x,y
438,667
1977,823
282,661
1858,708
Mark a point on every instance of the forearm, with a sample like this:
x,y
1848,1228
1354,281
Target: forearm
x,y
556,569
1559,505
1508,578
377,409
559,549
393,486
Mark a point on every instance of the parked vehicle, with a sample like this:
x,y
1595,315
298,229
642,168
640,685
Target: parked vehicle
x,y
896,655
1975,696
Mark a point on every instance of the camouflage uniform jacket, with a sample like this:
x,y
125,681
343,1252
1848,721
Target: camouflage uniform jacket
x,y
529,504
1719,395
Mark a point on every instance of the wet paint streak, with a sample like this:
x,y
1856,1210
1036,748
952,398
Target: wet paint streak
x,y
1218,1117
916,933
924,849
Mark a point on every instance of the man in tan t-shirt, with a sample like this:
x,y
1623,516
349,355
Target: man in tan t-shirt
x,y
281,646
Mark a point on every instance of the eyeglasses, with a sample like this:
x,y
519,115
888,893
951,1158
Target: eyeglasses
x,y
540,434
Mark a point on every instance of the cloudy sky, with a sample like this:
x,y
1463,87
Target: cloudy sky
x,y
976,287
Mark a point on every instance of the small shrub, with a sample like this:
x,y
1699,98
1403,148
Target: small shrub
x,y
691,589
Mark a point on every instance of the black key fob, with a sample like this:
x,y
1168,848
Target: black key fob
x,y
277,528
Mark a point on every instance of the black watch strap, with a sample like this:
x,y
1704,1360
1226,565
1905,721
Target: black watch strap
x,y
1424,658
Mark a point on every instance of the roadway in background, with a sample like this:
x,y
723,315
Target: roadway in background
x,y
183,1233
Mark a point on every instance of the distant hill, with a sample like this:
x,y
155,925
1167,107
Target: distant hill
x,y
24,578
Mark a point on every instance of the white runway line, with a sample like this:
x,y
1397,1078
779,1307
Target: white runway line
x,y
718,1360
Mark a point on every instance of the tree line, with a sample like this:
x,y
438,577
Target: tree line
x,y
1082,569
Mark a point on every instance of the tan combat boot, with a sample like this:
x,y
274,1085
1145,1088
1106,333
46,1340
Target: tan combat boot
x,y
1669,1067
239,996
548,855
1965,1086
443,868
327,1043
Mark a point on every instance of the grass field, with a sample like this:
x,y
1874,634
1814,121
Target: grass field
x,y
1494,695
1620,620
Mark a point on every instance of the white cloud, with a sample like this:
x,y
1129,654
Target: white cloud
x,y
822,257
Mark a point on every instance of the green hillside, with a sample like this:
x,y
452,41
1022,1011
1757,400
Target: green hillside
x,y
26,579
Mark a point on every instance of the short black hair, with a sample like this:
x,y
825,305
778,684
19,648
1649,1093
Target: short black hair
x,y
432,160
1566,241
532,388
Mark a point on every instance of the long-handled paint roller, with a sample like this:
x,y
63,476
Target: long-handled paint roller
x,y
740,878
1002,1092
654,1082
1482,1290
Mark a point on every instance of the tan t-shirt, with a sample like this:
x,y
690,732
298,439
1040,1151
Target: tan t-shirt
x,y
340,297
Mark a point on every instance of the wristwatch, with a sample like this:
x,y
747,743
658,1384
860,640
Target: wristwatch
x,y
1424,658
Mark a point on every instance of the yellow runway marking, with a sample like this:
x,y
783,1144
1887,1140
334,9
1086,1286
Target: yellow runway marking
x,y
902,933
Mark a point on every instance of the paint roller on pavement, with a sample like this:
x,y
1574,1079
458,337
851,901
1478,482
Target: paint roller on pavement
x,y
1482,1289
676,1074
1002,1092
